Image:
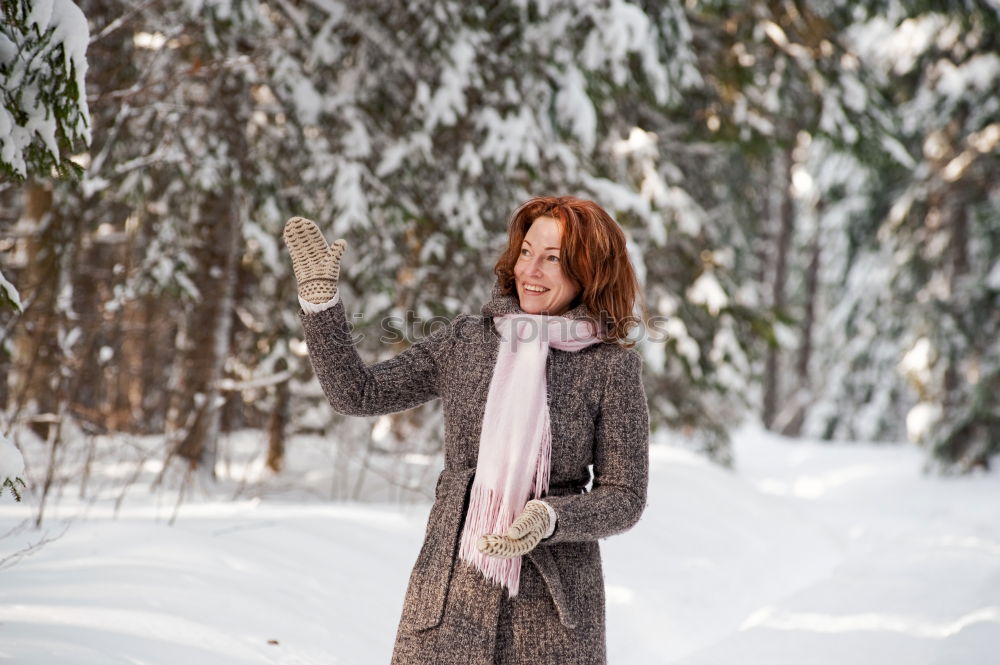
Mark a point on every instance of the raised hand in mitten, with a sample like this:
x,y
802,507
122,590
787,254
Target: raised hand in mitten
x,y
522,536
316,265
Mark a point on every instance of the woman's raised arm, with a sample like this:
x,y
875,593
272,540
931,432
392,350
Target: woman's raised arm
x,y
353,388
356,389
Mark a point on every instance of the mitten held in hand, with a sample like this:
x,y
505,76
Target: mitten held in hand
x,y
523,535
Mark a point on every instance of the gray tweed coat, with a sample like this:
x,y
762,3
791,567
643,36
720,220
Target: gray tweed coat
x,y
599,417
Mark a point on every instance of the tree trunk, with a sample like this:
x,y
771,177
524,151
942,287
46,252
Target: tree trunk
x,y
782,241
793,426
809,316
35,375
157,362
205,339
92,273
278,421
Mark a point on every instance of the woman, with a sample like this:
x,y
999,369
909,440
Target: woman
x,y
534,391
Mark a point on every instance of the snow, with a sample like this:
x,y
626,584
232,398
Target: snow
x,y
357,142
707,291
639,142
72,31
9,289
921,419
469,161
8,49
511,139
615,197
392,158
11,462
686,345
898,46
855,94
447,105
576,110
349,192
40,15
916,580
689,215
620,29
223,9
898,151
918,361
153,41
979,73
308,102
807,553
992,279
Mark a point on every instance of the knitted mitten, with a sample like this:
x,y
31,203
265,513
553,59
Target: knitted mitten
x,y
316,265
522,536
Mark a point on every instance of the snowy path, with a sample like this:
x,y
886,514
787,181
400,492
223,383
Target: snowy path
x,y
808,554
919,578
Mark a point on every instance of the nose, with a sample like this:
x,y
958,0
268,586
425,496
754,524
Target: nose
x,y
535,267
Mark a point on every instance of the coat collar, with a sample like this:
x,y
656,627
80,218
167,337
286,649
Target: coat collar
x,y
499,305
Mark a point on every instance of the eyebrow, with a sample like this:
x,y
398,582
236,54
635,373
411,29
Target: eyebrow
x,y
529,242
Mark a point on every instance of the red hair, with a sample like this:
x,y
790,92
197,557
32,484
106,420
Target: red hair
x,y
592,255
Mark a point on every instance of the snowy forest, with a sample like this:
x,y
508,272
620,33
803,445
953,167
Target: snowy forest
x,y
808,187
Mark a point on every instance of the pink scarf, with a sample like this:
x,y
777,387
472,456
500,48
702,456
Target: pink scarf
x,y
515,446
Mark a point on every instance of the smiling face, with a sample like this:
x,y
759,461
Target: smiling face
x,y
542,286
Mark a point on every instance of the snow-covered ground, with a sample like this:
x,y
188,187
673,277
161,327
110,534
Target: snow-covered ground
x,y
806,554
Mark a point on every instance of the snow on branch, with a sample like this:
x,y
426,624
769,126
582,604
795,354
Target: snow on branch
x,y
43,66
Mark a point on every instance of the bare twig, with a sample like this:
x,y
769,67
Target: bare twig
x,y
144,455
188,475
120,21
13,559
55,438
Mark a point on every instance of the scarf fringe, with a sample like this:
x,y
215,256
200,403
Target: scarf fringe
x,y
488,514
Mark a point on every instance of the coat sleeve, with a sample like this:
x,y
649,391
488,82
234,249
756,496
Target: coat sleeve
x,y
355,389
621,462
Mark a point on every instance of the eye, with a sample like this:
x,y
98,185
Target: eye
x,y
553,256
524,250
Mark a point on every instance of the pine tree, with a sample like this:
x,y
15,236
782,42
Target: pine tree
x,y
44,116
919,243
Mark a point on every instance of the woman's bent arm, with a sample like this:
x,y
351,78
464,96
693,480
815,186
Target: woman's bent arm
x,y
355,389
621,463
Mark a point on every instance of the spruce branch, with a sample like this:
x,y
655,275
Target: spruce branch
x,y
12,484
